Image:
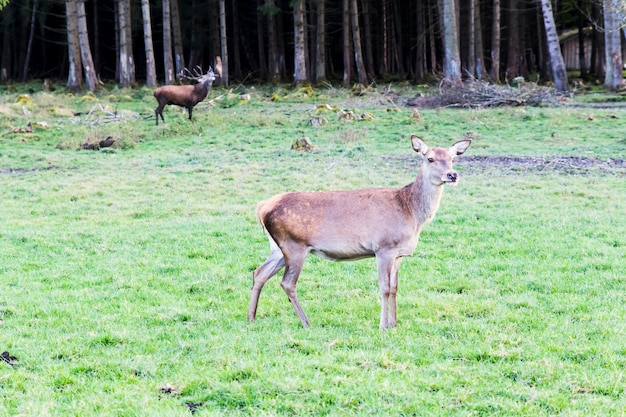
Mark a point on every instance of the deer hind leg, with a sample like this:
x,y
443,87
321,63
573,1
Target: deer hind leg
x,y
159,111
293,267
190,110
262,274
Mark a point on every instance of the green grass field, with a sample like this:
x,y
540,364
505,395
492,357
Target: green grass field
x,y
125,272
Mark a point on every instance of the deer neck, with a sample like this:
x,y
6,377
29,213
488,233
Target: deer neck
x,y
422,198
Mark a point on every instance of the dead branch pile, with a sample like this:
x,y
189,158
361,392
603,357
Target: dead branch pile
x,y
479,94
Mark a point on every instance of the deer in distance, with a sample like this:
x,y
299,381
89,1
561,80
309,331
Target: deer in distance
x,y
384,223
185,95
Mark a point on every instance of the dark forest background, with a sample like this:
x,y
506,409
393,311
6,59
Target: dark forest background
x,y
401,39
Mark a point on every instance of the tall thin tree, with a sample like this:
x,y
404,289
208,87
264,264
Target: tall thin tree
x,y
300,73
85,49
179,57
125,52
356,40
554,48
494,72
74,76
168,63
320,42
452,59
223,43
151,80
613,76
30,41
347,48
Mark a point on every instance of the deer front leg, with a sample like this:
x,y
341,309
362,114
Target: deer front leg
x,y
393,290
385,265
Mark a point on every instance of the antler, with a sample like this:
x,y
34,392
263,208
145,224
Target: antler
x,y
192,76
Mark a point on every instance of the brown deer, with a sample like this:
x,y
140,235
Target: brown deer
x,y
384,223
184,95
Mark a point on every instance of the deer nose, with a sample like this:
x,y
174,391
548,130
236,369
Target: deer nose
x,y
452,176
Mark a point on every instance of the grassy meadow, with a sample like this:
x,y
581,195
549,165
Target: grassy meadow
x,y
125,272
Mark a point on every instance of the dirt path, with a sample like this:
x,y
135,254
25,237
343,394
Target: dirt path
x,y
515,165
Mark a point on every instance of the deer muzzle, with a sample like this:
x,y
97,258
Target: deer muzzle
x,y
450,178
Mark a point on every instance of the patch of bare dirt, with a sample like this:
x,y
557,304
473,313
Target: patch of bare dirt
x,y
515,165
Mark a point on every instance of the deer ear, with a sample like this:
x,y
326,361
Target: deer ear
x,y
460,147
419,145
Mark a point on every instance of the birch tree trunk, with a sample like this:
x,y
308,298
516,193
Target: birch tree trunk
x,y
74,77
168,63
300,74
612,46
554,49
495,43
151,80
223,43
85,49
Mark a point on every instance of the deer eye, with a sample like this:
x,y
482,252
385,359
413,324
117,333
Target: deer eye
x,y
431,160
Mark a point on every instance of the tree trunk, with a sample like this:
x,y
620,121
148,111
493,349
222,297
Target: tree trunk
x,y
179,55
127,65
420,42
494,72
273,58
168,63
367,39
74,77
612,46
471,47
452,60
85,48
223,43
236,49
384,63
479,48
554,49
96,38
7,42
30,41
300,74
347,61
356,38
320,42
151,80
513,49
581,40
260,41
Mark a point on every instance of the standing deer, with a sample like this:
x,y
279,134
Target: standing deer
x,y
184,95
384,223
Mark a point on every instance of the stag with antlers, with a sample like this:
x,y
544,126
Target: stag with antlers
x,y
185,95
